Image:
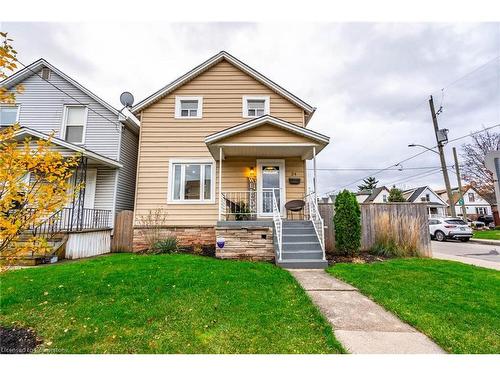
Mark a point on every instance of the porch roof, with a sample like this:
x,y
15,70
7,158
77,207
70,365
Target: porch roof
x,y
92,156
289,140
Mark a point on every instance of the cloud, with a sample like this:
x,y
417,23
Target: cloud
x,y
370,82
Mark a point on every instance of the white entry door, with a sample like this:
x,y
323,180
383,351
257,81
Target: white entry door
x,y
270,178
90,184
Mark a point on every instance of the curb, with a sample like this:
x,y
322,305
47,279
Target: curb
x,y
485,242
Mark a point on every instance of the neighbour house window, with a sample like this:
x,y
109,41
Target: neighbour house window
x,y
188,107
384,198
9,114
427,197
255,106
192,182
481,210
471,197
75,119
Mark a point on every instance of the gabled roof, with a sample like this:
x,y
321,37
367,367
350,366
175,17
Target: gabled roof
x,y
412,195
375,192
455,193
267,119
223,55
27,132
31,69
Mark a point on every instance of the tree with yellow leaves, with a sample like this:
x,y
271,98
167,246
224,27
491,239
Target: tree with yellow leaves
x,y
34,178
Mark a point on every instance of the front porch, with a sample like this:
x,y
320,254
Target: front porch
x,y
262,187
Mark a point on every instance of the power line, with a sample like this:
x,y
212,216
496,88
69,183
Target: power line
x,y
471,72
373,169
412,157
69,95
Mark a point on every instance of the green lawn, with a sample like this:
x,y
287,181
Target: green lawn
x,y
125,303
492,234
455,304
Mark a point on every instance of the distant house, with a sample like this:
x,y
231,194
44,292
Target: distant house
x,y
377,195
475,204
435,203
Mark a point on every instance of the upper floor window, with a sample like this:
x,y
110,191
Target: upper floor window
x,y
384,198
471,197
188,107
427,197
9,114
255,106
74,123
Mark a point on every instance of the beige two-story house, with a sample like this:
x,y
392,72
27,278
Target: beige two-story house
x,y
223,151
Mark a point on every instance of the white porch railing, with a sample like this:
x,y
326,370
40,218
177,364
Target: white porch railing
x,y
312,213
278,225
248,205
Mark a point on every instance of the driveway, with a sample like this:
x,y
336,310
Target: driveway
x,y
468,252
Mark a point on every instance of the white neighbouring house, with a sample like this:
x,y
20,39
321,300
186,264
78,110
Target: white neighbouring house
x,y
436,206
377,195
475,204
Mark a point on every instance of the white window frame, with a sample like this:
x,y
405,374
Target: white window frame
x,y
481,211
267,106
171,180
18,106
65,116
178,100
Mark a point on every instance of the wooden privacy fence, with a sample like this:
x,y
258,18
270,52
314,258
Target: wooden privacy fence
x,y
124,232
408,220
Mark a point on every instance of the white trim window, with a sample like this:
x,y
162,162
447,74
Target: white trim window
x,y
74,124
255,106
481,210
191,181
9,114
188,107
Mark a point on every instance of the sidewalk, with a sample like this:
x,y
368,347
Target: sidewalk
x,y
467,260
361,326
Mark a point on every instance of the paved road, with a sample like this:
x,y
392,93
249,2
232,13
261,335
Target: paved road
x,y
468,252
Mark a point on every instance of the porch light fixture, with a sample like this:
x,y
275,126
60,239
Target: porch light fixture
x,y
251,173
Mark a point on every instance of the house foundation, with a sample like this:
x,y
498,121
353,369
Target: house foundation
x,y
250,240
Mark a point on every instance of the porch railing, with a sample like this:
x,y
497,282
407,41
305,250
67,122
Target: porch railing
x,y
312,214
72,219
248,205
278,225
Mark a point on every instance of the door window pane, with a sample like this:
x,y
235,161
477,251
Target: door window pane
x,y
192,183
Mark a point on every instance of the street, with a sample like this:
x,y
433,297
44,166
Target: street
x,y
468,252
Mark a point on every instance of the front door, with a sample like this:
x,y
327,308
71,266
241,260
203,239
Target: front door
x,y
270,179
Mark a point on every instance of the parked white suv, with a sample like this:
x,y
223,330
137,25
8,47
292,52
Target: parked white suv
x,y
449,227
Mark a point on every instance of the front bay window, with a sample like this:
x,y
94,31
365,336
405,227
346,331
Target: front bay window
x,y
192,182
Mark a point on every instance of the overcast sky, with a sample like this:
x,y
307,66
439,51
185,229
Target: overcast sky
x,y
370,82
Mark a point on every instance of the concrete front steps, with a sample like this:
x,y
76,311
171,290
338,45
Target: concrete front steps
x,y
301,247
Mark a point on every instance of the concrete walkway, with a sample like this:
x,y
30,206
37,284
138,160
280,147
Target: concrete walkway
x,y
361,326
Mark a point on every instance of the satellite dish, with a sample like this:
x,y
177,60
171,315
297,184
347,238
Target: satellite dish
x,y
127,99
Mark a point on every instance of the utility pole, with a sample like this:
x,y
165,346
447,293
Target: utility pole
x,y
440,139
459,179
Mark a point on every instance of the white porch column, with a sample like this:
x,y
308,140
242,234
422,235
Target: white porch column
x,y
315,176
220,183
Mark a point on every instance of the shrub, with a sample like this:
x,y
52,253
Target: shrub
x,y
396,237
396,195
347,223
165,246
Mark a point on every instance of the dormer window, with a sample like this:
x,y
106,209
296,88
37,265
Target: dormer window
x,y
255,106
188,107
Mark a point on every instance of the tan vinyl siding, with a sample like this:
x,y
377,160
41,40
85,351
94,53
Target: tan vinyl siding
x,y
163,137
268,134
